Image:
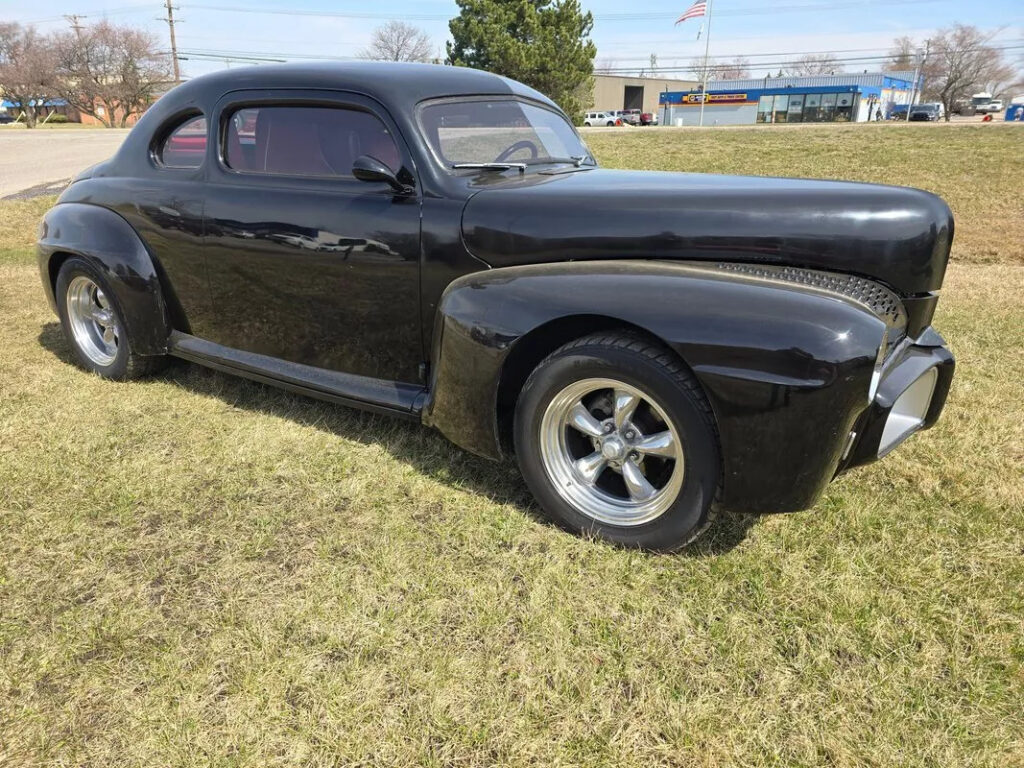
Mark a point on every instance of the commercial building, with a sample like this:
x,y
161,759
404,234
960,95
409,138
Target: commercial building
x,y
813,99
612,92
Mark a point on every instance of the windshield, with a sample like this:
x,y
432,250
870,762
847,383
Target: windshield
x,y
488,131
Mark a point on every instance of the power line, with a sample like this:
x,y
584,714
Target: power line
x,y
790,58
148,7
616,17
883,51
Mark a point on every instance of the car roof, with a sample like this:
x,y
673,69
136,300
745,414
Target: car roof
x,y
402,84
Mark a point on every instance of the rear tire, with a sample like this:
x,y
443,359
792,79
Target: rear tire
x,y
94,326
614,437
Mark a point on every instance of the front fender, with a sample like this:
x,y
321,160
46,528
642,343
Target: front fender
x,y
785,366
110,245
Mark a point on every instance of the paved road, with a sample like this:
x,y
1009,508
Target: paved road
x,y
31,159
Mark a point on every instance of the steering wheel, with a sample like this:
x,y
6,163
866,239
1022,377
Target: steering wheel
x,y
524,144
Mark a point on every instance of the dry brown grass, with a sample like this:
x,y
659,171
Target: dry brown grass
x,y
200,570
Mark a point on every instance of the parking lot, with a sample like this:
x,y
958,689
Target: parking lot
x,y
36,161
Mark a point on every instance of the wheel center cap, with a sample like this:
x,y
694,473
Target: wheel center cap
x,y
612,448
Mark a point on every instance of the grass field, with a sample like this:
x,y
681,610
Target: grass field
x,y
199,570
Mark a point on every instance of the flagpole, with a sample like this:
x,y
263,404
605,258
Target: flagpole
x,y
704,79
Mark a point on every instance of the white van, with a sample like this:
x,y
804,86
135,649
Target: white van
x,y
600,118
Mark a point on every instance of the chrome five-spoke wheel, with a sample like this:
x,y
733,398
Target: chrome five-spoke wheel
x,y
611,451
93,321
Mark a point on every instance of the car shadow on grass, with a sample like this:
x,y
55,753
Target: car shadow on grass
x,y
428,451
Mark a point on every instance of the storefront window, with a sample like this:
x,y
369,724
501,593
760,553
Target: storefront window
x,y
796,108
764,109
781,109
812,108
844,107
828,107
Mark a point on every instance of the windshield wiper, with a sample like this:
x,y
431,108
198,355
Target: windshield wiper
x,y
521,167
576,160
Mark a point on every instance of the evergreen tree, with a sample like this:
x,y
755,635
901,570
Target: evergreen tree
x,y
543,43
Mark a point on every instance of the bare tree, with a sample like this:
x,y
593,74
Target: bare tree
x,y
737,69
812,64
398,41
110,72
961,61
27,69
702,70
902,55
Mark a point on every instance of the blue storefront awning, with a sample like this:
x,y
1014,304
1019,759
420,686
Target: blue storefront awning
x,y
49,103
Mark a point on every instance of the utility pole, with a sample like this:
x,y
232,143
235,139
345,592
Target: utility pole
x,y
174,45
922,57
73,20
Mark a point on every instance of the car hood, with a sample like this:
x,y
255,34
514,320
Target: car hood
x,y
896,235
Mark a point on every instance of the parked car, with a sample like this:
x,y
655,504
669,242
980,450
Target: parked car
x,y
649,118
438,243
631,116
601,118
6,118
931,111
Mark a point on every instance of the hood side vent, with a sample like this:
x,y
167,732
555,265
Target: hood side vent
x,y
879,299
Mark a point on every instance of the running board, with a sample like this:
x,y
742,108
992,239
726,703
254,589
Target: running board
x,y
378,395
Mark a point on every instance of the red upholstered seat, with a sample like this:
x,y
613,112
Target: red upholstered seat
x,y
287,141
313,141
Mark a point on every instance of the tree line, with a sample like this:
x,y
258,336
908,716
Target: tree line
x,y
113,72
104,70
956,63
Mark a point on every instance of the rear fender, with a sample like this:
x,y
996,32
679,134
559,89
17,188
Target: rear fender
x,y
113,248
786,367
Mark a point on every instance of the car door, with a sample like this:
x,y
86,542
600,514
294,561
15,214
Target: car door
x,y
305,262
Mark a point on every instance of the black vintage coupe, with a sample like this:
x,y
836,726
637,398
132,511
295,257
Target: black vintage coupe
x,y
438,243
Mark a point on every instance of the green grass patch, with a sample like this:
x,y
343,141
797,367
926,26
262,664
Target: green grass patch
x,y
200,570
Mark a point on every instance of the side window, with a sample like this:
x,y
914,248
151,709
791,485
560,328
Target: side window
x,y
185,147
305,141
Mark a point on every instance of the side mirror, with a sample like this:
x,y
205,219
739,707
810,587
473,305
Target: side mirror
x,y
369,168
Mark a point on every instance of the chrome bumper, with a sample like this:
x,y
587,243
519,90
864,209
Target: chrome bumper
x,y
910,397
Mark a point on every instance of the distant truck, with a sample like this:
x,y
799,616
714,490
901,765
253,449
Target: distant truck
x,y
983,103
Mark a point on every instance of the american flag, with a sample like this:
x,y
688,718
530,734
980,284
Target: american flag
x,y
699,8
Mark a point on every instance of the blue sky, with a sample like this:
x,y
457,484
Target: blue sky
x,y
625,34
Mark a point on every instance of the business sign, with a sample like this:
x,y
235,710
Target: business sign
x,y
715,98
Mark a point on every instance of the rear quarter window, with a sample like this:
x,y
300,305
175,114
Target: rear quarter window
x,y
185,146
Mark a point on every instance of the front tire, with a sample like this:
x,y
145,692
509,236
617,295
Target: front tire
x,y
614,437
94,326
